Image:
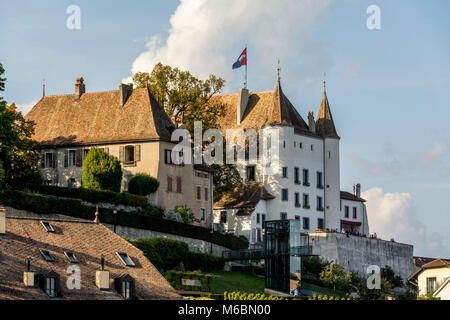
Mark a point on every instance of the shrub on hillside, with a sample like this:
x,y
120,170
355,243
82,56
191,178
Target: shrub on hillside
x,y
101,171
143,184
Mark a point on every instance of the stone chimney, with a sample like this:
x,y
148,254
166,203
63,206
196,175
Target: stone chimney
x,y
358,190
241,105
79,87
125,92
28,276
2,220
102,276
311,122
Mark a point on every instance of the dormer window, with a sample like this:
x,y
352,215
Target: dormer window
x,y
71,256
47,256
48,227
49,283
124,285
126,259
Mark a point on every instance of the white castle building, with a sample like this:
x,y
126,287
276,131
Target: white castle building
x,y
306,184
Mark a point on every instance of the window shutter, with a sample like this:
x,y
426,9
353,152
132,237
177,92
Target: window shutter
x,y
55,160
42,159
206,194
66,158
179,184
137,153
79,157
122,154
169,183
199,193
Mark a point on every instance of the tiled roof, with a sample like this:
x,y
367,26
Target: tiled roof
x,y
25,237
437,263
99,117
419,262
244,197
324,123
350,196
263,108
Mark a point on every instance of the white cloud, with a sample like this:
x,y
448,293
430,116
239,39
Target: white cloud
x,y
203,33
26,107
438,150
391,215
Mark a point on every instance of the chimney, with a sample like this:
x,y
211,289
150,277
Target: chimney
x,y
2,220
28,276
125,92
241,105
102,276
311,122
358,190
79,87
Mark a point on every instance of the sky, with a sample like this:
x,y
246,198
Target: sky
x,y
388,88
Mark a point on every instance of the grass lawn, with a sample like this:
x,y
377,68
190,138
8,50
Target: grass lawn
x,y
236,281
322,290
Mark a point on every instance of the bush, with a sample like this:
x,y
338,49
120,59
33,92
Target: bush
x,y
101,171
143,184
186,214
167,254
245,296
174,278
44,204
93,196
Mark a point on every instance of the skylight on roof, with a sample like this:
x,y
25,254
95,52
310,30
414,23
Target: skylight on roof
x,y
47,256
71,256
48,227
125,259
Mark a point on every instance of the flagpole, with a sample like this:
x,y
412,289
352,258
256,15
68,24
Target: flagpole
x,y
246,58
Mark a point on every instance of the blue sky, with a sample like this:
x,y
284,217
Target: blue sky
x,y
388,88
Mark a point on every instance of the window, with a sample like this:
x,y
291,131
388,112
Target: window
x,y
47,256
319,180
329,154
250,174
202,214
71,256
48,227
431,285
283,215
72,158
295,144
129,155
306,201
71,183
296,176
50,286
320,224
284,194
199,193
206,194
85,153
178,184
284,144
300,145
346,211
297,217
223,217
305,223
169,183
49,163
168,156
125,258
305,177
258,218
355,213
285,172
125,291
297,199
312,147
319,204
263,219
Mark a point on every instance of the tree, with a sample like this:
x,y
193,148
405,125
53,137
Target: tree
x,y
186,214
226,178
183,96
2,173
389,275
143,184
101,171
334,276
19,153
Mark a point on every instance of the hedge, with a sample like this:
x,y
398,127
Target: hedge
x,y
166,254
93,196
43,204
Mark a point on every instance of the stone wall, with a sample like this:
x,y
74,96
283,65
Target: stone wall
x,y
358,253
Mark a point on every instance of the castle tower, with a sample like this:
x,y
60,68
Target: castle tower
x,y
325,127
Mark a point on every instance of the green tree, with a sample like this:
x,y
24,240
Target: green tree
x,y
2,173
226,178
335,277
185,214
143,184
183,96
19,153
101,171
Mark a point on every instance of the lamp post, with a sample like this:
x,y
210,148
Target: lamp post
x,y
115,220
